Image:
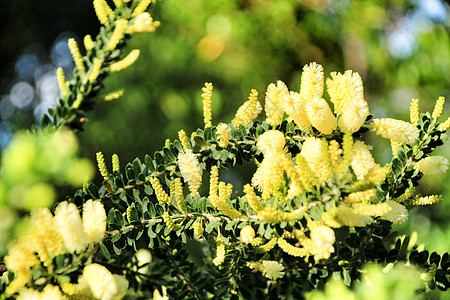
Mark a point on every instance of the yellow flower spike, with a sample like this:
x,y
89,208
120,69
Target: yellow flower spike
x,y
397,130
257,241
274,102
427,200
88,43
220,254
270,175
223,135
315,153
334,152
190,170
371,210
113,95
101,281
307,177
176,191
102,166
185,142
198,228
268,246
444,126
115,163
62,82
432,165
394,147
320,115
295,186
437,111
214,181
51,292
294,106
269,268
271,142
329,218
46,240
251,198
126,62
169,222
322,238
362,161
347,153
292,250
248,111
220,201
76,55
143,23
273,215
21,279
414,111
117,3
349,217
206,96
101,10
117,35
247,234
312,82
142,6
398,213
160,193
94,221
68,222
406,196
354,115
361,196
95,70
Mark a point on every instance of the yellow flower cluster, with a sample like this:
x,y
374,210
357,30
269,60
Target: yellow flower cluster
x,y
143,23
48,236
248,111
160,193
190,170
223,135
176,192
198,228
432,165
220,253
247,234
98,282
206,96
169,222
102,166
125,62
219,194
269,268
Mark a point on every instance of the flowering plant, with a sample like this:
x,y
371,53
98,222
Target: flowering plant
x,y
317,206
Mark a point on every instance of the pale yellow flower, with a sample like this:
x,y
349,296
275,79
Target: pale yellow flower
x,y
190,170
51,292
94,221
398,213
271,142
69,225
362,161
272,269
294,106
312,84
397,130
315,152
320,115
354,115
247,234
432,165
350,217
274,102
101,282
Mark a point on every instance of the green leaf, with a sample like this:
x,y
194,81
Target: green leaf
x,y
104,251
211,226
116,237
137,166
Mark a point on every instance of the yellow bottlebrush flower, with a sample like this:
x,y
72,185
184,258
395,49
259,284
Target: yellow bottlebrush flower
x,y
273,215
220,253
294,106
101,281
397,130
347,153
414,111
406,195
444,126
102,10
307,177
190,170
247,234
345,89
29,294
160,193
271,142
376,175
76,55
323,238
115,163
51,292
315,153
295,186
125,62
185,142
274,102
176,192
95,70
143,23
198,227
329,218
62,82
118,33
94,220
45,239
268,246
206,96
169,222
113,95
21,258
335,154
360,196
269,175
362,161
142,6
292,250
220,201
311,82
394,147
349,217
214,181
432,165
102,166
257,241
68,222
398,213
320,115
248,111
371,210
20,281
251,198
269,268
223,135
437,111
354,115
427,200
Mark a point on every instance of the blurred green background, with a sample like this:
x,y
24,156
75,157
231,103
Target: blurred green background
x,y
401,49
